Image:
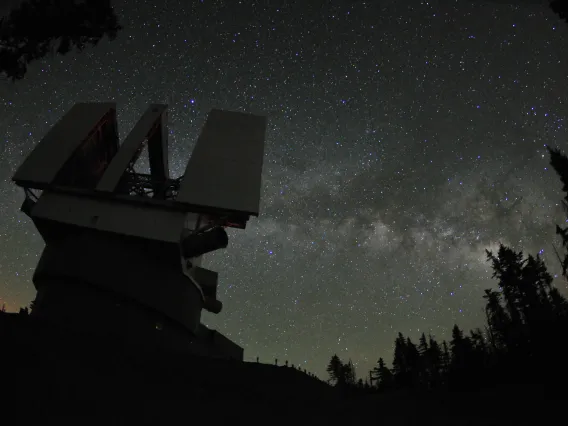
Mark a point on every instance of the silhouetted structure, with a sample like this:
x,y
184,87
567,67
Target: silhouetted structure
x,y
123,249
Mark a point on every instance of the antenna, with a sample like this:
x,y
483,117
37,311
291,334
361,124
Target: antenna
x,y
124,249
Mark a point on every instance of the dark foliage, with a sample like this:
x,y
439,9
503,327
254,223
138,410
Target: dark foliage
x,y
31,31
341,374
560,164
560,7
526,319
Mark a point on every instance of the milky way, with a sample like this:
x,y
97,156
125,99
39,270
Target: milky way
x,y
402,142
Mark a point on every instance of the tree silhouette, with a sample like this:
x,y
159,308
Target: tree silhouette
x,y
526,321
341,374
348,375
559,162
414,362
30,31
335,369
422,345
446,358
434,363
461,349
400,366
383,376
424,364
507,268
559,304
497,320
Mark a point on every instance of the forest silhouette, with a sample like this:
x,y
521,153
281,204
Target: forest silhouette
x,y
521,341
31,31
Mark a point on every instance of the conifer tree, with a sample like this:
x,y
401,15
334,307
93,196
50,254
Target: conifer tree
x,y
497,320
434,356
349,377
461,349
400,364
383,376
507,268
73,23
559,162
422,345
423,364
335,370
446,358
414,363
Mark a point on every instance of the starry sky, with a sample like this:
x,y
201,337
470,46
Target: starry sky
x,y
404,139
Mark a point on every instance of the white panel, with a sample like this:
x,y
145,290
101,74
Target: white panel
x,y
42,165
225,168
112,216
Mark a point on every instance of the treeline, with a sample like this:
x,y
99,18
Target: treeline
x,y
523,339
65,24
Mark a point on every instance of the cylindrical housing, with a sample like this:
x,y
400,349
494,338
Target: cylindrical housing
x,y
198,244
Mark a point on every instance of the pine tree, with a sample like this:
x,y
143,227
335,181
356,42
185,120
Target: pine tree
x,y
414,363
456,346
383,376
478,340
497,320
335,370
559,162
507,268
399,363
446,358
424,362
422,345
480,350
74,23
462,366
461,349
375,373
32,306
434,356
559,303
349,377
538,283
527,289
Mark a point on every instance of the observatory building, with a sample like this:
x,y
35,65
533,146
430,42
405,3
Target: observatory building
x,y
123,250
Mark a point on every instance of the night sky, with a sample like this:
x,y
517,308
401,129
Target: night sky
x,y
402,142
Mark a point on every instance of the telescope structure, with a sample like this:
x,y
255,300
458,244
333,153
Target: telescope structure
x,y
123,250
